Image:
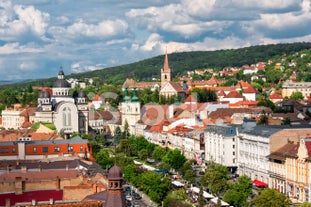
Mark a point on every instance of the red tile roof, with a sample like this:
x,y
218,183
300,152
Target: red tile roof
x,y
276,96
37,175
234,94
28,196
177,86
191,99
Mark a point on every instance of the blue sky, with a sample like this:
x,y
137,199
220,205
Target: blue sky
x,y
39,36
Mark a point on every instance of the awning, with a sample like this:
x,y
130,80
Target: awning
x,y
259,183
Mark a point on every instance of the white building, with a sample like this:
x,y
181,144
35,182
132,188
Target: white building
x,y
220,145
130,111
253,148
69,114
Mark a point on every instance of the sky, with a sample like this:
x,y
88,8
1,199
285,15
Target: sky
x,y
37,37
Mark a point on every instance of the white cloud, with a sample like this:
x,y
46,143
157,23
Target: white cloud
x,y
103,29
18,20
27,66
15,48
79,67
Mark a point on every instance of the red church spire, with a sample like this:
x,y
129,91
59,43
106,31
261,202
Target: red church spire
x,y
166,67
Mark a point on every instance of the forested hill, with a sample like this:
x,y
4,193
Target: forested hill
x,y
185,61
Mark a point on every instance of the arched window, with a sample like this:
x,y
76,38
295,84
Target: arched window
x,y
66,116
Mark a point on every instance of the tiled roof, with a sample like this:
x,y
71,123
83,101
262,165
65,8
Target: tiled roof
x,y
37,175
276,96
288,150
28,196
191,99
221,93
234,94
243,104
249,89
13,135
177,86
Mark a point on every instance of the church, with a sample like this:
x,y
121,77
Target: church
x,y
69,113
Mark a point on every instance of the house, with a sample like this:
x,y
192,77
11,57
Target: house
x,y
233,97
25,149
289,87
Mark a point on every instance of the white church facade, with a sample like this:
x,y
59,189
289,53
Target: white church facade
x,y
68,113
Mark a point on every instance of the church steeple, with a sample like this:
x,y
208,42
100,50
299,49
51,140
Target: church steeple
x,y
165,71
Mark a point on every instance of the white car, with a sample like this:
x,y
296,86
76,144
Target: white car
x,y
129,198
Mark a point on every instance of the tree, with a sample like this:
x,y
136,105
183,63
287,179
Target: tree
x,y
143,154
177,198
156,186
215,178
175,159
286,121
267,103
272,198
204,95
124,146
130,172
297,95
186,166
158,153
103,159
126,131
263,120
239,192
189,176
164,166
117,135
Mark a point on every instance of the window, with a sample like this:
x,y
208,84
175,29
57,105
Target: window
x,y
45,149
66,116
35,149
81,148
56,149
70,148
13,149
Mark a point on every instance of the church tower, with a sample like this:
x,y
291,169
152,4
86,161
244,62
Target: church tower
x,y
114,197
165,72
130,110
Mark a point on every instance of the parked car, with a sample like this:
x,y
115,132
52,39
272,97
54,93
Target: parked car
x,y
129,198
137,196
136,204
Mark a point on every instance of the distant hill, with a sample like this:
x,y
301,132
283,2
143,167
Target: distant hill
x,y
184,61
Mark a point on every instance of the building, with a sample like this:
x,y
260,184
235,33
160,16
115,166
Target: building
x,y
289,87
17,117
221,146
130,111
68,113
27,149
49,182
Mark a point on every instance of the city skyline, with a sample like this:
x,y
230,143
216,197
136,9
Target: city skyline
x,y
39,36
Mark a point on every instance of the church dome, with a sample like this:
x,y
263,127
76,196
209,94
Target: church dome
x,y
61,72
46,94
61,83
115,173
41,94
82,94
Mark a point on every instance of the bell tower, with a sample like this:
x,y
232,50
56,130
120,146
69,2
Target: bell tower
x,y
165,71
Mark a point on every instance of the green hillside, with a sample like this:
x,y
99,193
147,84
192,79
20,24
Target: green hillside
x,y
182,62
